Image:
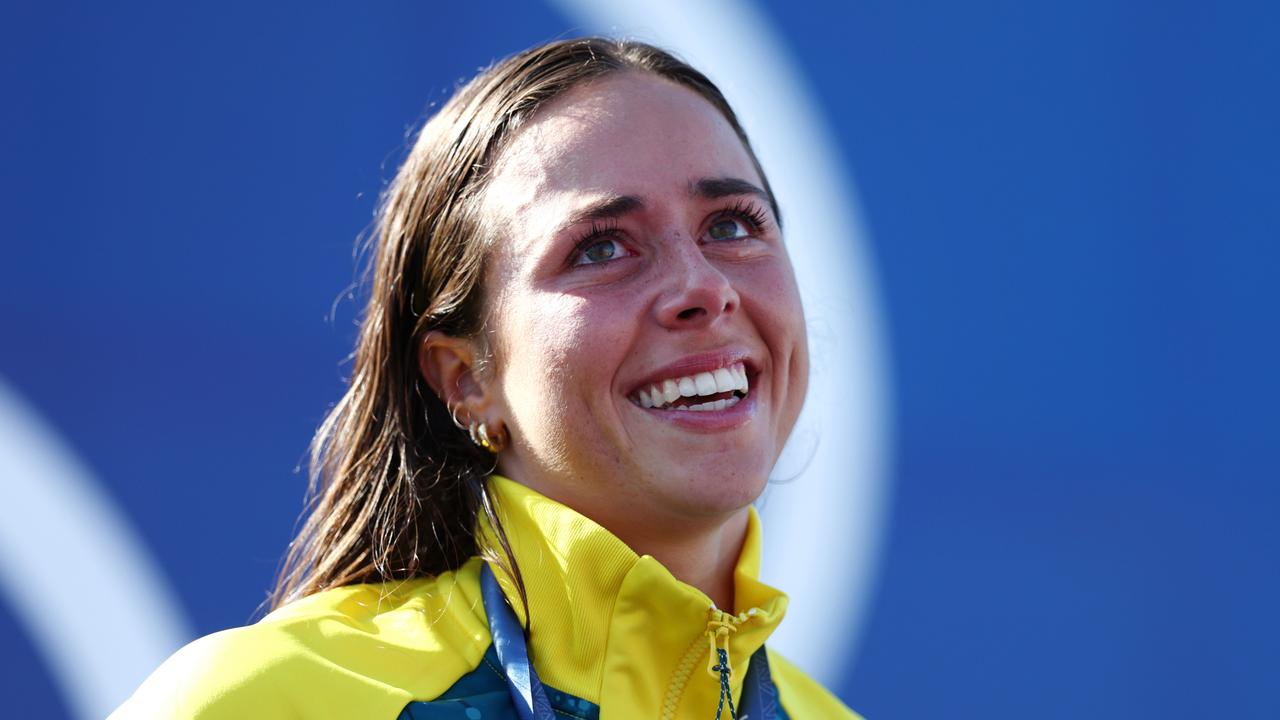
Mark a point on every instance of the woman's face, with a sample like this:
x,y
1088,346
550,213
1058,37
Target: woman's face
x,y
637,254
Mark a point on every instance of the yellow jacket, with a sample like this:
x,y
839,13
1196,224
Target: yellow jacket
x,y
614,636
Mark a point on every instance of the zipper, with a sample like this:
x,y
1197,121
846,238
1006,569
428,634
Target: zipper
x,y
715,642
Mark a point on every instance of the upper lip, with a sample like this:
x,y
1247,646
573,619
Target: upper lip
x,y
694,364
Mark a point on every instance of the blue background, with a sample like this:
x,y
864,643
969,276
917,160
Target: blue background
x,y
1073,216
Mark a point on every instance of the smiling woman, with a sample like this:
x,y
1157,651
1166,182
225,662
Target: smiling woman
x,y
583,352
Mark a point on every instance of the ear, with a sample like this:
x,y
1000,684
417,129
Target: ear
x,y
450,366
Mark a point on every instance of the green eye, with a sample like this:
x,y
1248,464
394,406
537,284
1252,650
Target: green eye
x,y
600,251
727,229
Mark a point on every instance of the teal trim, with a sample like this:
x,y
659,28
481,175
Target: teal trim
x,y
482,695
571,707
782,713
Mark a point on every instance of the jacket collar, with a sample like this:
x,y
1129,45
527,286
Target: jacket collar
x,y
616,628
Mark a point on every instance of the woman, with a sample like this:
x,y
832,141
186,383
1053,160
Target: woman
x,y
583,352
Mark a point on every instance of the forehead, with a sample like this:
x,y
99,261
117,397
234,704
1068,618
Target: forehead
x,y
628,134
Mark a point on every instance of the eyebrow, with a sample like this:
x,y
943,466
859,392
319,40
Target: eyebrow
x,y
607,209
716,188
616,206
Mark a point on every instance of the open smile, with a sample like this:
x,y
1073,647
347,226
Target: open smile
x,y
707,391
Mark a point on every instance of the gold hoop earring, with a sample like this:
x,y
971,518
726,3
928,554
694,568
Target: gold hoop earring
x,y
493,442
480,434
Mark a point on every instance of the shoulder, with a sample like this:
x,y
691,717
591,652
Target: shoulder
x,y
359,650
801,695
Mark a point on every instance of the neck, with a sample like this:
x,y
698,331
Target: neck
x,y
701,550
703,557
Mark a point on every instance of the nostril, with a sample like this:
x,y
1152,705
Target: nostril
x,y
690,313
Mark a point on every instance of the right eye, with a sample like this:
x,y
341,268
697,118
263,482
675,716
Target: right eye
x,y
595,251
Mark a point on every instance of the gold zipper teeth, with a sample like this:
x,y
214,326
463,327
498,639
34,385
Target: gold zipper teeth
x,y
671,701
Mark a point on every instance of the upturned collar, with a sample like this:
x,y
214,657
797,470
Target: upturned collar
x,y
617,628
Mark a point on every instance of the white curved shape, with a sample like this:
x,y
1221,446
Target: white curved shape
x,y
77,577
823,531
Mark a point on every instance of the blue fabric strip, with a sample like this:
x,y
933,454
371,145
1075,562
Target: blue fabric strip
x,y
527,694
759,695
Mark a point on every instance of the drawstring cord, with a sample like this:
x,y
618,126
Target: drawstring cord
x,y
718,663
725,692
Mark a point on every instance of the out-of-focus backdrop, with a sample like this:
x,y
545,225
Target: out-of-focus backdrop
x,y
1038,474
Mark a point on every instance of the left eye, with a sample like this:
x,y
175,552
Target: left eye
x,y
728,229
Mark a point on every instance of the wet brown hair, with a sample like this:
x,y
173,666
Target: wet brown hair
x,y
396,489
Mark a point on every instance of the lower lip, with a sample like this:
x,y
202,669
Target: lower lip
x,y
729,418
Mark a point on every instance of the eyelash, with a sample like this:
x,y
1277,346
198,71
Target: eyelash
x,y
748,212
597,232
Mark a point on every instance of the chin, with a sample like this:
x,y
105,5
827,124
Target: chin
x,y
718,491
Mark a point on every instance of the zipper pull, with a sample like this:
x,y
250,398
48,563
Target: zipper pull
x,y
718,663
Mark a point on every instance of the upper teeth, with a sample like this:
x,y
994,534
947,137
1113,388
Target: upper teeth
x,y
666,392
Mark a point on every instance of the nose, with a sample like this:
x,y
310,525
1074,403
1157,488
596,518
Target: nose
x,y
697,293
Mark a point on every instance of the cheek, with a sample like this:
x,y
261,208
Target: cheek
x,y
770,291
773,299
790,315
791,319
559,352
